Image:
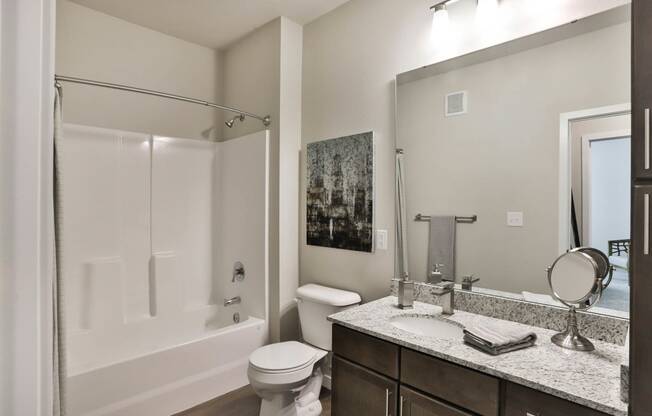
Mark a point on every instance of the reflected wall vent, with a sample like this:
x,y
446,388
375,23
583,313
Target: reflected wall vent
x,y
456,103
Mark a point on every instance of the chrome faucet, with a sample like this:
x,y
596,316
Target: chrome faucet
x,y
468,281
233,301
405,293
445,292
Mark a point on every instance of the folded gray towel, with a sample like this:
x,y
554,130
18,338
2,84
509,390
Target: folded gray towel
x,y
482,346
497,334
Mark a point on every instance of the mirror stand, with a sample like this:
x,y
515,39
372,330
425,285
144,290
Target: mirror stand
x,y
571,338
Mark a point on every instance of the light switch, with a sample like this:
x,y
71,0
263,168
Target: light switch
x,y
515,219
381,239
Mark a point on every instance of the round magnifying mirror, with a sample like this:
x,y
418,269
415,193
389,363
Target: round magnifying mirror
x,y
574,277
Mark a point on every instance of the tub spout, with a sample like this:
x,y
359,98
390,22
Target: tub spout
x,y
233,301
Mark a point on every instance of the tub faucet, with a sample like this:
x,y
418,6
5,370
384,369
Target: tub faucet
x,y
445,292
233,301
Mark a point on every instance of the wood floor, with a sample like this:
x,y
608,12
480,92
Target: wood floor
x,y
242,402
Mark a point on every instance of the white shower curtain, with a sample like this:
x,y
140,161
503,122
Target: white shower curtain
x,y
58,345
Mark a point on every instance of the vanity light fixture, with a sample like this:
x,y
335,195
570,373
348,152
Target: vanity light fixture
x,y
486,8
440,15
440,18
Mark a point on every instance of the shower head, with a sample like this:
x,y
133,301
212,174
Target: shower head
x,y
230,123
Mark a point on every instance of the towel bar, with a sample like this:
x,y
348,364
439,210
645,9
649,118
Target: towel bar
x,y
465,220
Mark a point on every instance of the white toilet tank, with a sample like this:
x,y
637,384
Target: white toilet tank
x,y
316,303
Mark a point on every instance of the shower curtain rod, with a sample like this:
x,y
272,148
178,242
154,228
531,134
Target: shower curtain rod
x,y
267,120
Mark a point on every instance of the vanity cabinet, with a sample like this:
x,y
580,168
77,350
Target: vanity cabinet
x,y
373,377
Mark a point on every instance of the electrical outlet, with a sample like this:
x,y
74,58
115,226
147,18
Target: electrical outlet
x,y
381,239
515,219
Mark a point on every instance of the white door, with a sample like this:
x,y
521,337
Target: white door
x,y
606,164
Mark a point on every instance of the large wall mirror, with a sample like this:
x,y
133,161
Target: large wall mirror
x,y
533,138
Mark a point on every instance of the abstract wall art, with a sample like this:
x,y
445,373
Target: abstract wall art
x,y
340,193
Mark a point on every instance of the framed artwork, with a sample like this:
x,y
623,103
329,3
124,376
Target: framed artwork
x,y
340,193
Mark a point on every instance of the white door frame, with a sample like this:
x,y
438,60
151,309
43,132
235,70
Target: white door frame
x,y
26,220
565,120
586,174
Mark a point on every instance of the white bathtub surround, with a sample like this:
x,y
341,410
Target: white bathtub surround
x,y
589,379
151,229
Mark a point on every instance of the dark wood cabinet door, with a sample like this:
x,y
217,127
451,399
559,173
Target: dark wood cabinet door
x,y
641,88
413,403
641,269
361,392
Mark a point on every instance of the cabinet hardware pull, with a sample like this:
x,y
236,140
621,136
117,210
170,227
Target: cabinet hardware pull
x,y
400,406
646,224
387,402
647,139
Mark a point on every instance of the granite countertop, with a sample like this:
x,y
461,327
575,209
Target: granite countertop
x,y
589,379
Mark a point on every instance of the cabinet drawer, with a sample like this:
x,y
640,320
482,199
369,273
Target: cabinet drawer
x,y
373,353
466,388
523,401
413,403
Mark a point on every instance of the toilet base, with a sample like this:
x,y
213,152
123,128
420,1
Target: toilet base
x,y
295,403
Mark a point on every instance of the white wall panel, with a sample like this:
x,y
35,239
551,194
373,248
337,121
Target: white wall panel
x,y
182,213
105,190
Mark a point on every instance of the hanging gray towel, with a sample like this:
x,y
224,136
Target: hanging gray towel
x,y
441,246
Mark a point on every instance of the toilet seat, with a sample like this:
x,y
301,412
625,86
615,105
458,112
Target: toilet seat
x,y
283,366
283,357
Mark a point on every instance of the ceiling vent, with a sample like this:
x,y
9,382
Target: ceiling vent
x,y
456,103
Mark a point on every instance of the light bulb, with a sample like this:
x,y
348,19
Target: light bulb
x,y
486,9
439,22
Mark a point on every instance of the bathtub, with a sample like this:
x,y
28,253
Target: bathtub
x,y
169,380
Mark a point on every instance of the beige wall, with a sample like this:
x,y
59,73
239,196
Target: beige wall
x,y
503,155
351,57
93,45
289,152
262,74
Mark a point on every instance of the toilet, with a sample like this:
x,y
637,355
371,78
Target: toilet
x,y
287,376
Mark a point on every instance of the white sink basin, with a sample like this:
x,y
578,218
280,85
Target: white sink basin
x,y
429,326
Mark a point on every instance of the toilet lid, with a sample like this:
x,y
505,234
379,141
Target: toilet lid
x,y
282,356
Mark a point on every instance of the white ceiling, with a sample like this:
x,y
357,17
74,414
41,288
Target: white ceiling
x,y
212,23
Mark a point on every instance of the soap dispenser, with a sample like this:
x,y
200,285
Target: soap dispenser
x,y
436,276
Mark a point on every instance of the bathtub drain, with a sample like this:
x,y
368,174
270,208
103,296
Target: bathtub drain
x,y
236,317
